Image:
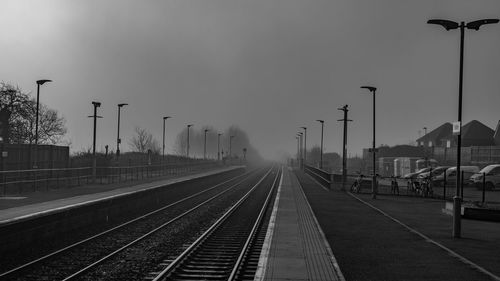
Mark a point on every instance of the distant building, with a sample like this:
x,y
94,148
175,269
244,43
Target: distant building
x,y
474,133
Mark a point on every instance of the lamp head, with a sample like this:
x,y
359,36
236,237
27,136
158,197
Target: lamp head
x,y
96,103
190,125
305,128
369,88
206,130
321,121
166,117
447,24
343,108
122,104
477,24
43,81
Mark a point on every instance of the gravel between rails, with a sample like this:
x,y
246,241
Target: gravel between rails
x,y
73,260
146,256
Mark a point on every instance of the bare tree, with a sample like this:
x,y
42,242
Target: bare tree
x,y
144,141
22,110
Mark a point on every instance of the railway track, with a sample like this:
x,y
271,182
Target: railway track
x,y
76,260
230,248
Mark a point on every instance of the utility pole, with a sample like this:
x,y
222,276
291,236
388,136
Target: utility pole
x,y
344,147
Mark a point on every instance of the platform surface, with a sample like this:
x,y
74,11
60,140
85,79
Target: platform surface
x,y
33,210
295,247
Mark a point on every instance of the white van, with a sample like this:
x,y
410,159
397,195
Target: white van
x,y
451,175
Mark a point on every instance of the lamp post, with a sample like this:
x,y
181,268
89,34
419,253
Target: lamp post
x,y
344,146
205,145
218,146
374,176
187,150
449,25
301,150
118,140
321,154
38,83
298,150
230,144
163,146
305,144
94,158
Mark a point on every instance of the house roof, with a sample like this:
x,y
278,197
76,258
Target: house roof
x,y
473,133
438,133
477,130
496,136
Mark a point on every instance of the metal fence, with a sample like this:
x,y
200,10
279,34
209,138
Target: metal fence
x,y
478,193
21,181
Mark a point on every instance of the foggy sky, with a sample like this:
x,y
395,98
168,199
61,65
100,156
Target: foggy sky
x,y
267,66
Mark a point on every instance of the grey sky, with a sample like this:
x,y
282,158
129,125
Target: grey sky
x,y
267,66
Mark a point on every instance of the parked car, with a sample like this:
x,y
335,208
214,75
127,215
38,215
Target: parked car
x,y
435,172
415,174
451,175
492,181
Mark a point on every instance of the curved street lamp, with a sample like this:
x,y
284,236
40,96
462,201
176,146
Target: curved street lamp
x,y
187,150
205,145
373,150
305,144
449,25
118,140
321,150
218,145
38,84
163,146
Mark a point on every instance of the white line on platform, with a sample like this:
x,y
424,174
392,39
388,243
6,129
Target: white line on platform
x,y
427,239
266,247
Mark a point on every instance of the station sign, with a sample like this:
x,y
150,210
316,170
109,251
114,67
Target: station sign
x,y
456,128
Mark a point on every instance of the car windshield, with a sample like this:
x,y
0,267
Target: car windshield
x,y
423,170
487,169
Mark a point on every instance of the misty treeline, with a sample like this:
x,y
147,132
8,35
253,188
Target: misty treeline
x,y
143,140
20,110
239,142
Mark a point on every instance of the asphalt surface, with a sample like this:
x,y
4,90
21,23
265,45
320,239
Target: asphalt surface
x,y
370,246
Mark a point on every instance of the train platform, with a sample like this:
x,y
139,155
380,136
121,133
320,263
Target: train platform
x,y
295,247
47,202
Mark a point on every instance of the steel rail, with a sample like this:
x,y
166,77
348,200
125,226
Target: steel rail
x,y
128,245
163,274
252,233
62,250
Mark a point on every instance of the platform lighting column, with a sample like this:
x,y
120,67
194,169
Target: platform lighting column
x,y
374,151
321,149
205,145
305,145
94,158
301,150
298,149
344,146
230,146
163,146
118,140
449,25
218,146
187,148
35,156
